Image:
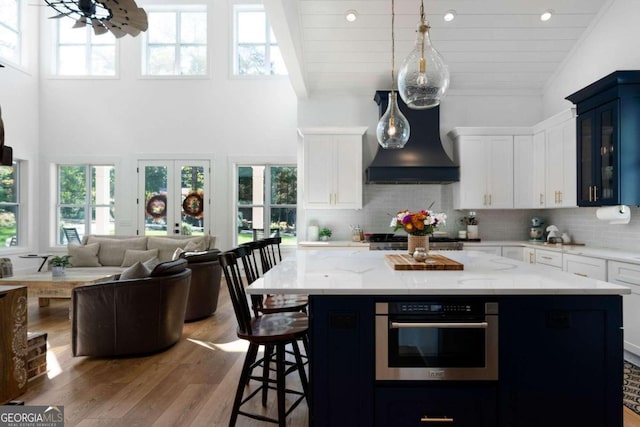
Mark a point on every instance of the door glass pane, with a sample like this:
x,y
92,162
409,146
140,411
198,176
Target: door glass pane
x,y
284,185
192,200
102,221
586,125
250,224
283,224
606,154
102,196
8,210
155,183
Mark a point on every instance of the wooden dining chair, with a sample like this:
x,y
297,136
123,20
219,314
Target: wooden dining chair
x,y
272,253
275,332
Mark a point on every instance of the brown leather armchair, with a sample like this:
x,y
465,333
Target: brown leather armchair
x,y
205,283
136,316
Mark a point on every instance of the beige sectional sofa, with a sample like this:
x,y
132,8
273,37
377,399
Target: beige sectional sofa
x,y
113,254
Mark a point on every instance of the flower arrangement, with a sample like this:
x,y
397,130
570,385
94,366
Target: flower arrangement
x,y
418,223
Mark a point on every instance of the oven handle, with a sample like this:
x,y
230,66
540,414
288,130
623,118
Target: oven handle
x,y
455,325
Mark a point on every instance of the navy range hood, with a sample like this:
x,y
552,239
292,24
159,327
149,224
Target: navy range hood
x,y
423,160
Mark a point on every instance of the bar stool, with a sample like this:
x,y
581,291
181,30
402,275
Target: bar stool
x,y
266,304
272,331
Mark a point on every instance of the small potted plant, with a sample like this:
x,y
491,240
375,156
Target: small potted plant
x,y
59,263
324,233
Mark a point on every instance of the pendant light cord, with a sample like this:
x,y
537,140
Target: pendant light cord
x,y
393,46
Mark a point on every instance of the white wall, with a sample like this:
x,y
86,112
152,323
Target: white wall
x,y
130,118
610,44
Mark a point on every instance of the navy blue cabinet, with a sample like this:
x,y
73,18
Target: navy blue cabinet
x,y
608,131
560,365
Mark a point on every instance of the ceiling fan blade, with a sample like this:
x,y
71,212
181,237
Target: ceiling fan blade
x,y
117,31
60,15
125,13
98,27
80,22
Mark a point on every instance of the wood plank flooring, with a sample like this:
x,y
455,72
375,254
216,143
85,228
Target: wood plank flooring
x,y
191,384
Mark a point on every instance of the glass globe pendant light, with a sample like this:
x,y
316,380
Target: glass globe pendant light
x,y
424,77
393,128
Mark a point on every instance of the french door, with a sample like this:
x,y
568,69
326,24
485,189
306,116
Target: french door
x,y
173,197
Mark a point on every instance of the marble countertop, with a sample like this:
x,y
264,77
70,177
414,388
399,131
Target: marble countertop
x,y
357,272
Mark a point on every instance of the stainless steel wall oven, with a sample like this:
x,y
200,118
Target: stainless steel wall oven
x,y
437,340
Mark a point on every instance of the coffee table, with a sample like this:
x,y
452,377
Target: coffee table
x,y
44,285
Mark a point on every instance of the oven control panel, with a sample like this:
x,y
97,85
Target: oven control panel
x,y
435,307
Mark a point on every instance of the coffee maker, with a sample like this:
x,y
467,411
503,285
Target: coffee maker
x,y
536,231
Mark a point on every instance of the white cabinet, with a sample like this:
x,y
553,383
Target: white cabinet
x,y
627,274
529,180
513,252
529,255
486,170
595,268
560,146
332,168
549,258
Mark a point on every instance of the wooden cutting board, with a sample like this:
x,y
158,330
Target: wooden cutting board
x,y
434,262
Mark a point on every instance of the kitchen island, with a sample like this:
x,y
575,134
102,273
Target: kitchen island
x,y
558,342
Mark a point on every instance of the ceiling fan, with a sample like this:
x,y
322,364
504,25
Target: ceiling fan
x,y
121,17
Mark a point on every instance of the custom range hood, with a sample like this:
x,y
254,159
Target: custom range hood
x,y
423,160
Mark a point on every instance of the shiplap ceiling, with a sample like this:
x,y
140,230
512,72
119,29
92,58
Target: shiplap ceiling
x,y
491,45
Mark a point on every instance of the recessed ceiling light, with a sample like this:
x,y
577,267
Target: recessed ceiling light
x,y
450,15
351,15
546,15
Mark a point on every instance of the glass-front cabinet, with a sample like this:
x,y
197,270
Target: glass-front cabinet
x,y
608,136
597,156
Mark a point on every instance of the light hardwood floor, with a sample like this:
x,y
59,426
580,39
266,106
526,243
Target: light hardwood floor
x,y
191,384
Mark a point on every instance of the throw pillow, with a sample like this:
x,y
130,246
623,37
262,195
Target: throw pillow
x,y
151,264
195,246
136,271
84,256
131,256
167,246
112,250
177,253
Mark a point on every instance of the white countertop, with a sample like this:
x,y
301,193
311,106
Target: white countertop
x,y
357,272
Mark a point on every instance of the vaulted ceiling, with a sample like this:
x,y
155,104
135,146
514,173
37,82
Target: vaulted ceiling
x,y
491,46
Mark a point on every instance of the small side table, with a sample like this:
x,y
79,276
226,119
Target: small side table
x,y
43,257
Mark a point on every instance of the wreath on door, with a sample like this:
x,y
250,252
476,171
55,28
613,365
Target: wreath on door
x,y
157,206
193,204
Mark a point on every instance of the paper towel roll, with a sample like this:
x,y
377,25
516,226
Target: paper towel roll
x,y
620,214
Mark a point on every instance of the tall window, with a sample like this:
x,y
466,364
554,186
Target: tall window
x,y
9,205
256,50
85,199
10,32
176,42
79,52
266,202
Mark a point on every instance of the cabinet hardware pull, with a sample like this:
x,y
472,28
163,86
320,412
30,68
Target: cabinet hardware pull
x,y
560,196
454,325
580,274
545,257
489,199
530,257
444,419
541,199
590,193
484,201
595,193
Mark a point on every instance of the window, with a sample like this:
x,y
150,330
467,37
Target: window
x,y
176,42
79,52
85,199
10,32
256,50
267,194
9,205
